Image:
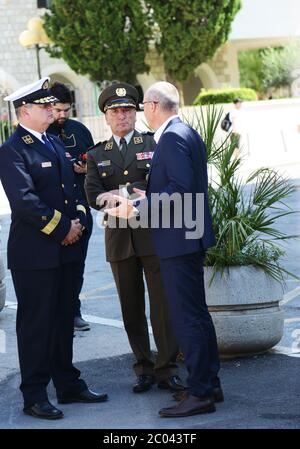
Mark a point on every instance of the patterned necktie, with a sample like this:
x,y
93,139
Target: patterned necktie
x,y
48,143
123,147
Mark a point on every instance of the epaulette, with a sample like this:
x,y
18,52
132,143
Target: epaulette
x,y
96,145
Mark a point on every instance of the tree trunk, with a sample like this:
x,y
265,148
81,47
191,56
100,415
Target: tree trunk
x,y
179,87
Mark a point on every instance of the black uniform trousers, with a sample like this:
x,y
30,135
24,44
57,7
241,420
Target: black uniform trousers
x,y
45,322
84,242
128,275
184,284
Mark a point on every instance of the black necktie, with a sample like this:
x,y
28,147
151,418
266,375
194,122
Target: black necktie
x,y
123,147
48,143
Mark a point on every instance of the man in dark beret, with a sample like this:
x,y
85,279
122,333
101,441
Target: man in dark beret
x,y
123,162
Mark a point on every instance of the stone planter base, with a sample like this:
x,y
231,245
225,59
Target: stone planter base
x,y
244,305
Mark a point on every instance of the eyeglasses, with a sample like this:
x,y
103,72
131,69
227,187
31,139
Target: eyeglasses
x,y
144,102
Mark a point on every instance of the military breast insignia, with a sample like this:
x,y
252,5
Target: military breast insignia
x,y
27,139
121,92
104,163
46,164
108,146
70,141
137,140
144,155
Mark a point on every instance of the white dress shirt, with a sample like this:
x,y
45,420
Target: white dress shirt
x,y
160,130
127,138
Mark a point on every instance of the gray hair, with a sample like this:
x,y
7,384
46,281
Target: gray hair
x,y
18,110
165,94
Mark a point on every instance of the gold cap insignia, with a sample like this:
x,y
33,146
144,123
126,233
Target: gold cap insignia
x,y
137,140
108,146
121,92
27,139
45,85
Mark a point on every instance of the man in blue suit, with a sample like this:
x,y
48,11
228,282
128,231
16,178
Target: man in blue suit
x,y
179,170
48,220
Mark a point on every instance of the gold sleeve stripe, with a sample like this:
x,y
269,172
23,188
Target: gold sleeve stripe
x,y
52,223
82,208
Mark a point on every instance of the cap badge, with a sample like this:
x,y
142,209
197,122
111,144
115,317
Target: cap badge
x,y
137,140
28,139
121,92
45,85
108,146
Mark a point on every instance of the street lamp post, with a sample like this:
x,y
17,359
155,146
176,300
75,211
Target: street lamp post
x,y
34,36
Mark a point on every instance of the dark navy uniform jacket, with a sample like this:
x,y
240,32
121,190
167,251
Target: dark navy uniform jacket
x,y
179,166
77,140
44,198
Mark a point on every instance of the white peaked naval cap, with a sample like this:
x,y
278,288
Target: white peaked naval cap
x,y
36,93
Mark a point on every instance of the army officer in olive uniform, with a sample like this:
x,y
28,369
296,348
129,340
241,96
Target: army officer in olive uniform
x,y
124,160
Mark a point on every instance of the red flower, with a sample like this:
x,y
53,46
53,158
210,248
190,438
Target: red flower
x,y
82,157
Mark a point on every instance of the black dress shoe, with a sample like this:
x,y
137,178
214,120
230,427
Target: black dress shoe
x,y
217,395
173,383
43,410
144,383
190,405
87,396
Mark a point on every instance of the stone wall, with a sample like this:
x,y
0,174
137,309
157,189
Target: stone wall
x,y
225,66
18,65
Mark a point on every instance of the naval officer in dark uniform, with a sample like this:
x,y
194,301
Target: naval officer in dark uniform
x,y
48,220
76,139
124,160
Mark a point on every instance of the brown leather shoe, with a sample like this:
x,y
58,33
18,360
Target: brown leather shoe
x,y
191,405
217,395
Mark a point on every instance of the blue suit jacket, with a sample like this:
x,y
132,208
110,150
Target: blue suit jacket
x,y
43,198
179,165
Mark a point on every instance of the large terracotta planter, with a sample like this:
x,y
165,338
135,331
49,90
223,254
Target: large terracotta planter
x,y
244,305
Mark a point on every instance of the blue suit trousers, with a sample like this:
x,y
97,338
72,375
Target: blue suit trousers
x,y
184,285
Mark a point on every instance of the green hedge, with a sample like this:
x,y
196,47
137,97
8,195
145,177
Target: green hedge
x,y
6,129
212,96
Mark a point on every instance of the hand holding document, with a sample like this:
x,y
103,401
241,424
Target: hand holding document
x,y
125,208
107,199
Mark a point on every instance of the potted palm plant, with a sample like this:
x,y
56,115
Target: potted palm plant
x,y
243,274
